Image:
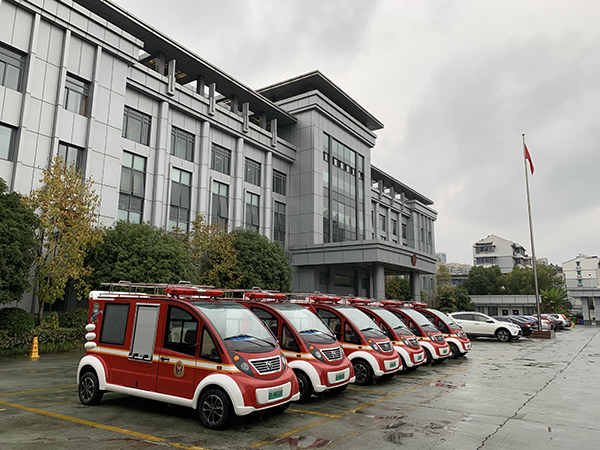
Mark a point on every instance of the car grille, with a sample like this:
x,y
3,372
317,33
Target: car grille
x,y
267,365
413,342
439,338
332,353
385,346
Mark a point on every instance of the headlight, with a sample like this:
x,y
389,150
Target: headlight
x,y
315,352
374,346
241,364
283,359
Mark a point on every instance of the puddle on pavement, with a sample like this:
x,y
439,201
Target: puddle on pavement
x,y
299,442
448,385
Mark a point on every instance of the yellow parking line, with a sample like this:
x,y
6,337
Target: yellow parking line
x,y
88,423
370,390
39,390
315,413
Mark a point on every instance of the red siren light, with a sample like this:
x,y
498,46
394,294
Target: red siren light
x,y
189,291
359,301
325,299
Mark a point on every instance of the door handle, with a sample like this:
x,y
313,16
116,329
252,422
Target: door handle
x,y
164,358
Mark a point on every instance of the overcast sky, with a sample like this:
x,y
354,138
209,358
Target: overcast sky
x,y
455,83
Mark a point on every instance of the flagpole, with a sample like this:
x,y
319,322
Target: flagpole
x,y
537,294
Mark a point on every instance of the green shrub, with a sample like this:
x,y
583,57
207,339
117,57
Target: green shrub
x,y
51,321
75,319
49,340
16,321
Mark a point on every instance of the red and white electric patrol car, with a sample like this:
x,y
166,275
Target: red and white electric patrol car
x,y
310,347
186,348
365,345
404,341
453,333
435,346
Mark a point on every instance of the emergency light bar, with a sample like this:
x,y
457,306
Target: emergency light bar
x,y
325,299
391,303
264,296
359,301
189,290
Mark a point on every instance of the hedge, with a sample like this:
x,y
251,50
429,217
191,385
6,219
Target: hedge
x,y
49,340
16,321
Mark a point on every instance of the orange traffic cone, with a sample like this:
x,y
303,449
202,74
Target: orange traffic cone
x,y
34,349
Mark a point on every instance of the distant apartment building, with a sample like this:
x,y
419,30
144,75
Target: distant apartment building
x,y
441,257
496,251
582,275
458,272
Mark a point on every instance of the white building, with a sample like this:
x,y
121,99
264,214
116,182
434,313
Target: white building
x,y
166,134
582,278
496,251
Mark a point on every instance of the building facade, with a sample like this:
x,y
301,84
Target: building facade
x,y
496,251
166,135
582,278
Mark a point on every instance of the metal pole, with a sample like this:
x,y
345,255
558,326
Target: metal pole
x,y
537,294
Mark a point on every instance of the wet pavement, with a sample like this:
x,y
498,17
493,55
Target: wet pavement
x,y
531,394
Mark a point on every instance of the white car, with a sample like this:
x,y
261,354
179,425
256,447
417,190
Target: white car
x,y
566,322
477,324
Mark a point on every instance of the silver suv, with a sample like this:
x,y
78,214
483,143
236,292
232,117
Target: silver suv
x,y
477,324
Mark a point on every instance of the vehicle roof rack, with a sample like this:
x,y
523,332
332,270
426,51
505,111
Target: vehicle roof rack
x,y
183,289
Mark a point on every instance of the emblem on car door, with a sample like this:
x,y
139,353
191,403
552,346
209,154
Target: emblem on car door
x,y
178,369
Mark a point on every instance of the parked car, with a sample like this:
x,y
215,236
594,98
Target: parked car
x,y
546,324
433,342
404,341
310,347
558,324
186,348
526,325
477,324
453,333
565,321
364,343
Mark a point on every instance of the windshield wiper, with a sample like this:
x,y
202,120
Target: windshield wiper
x,y
370,328
312,330
250,337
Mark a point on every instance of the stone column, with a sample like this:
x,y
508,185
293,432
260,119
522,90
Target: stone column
x,y
237,194
415,285
204,187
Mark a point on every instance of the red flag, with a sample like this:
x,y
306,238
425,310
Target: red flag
x,y
528,157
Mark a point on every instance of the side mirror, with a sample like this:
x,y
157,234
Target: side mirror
x,y
489,321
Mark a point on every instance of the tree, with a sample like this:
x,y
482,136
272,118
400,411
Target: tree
x,y
520,280
261,262
213,254
17,245
397,288
554,300
67,207
450,298
483,281
139,253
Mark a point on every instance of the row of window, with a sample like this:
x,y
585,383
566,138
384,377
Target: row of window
x,y
132,189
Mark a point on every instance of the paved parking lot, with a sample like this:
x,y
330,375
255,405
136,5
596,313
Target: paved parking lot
x,y
527,394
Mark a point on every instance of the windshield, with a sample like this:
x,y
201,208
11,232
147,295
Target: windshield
x,y
364,323
419,319
237,326
440,315
393,321
308,324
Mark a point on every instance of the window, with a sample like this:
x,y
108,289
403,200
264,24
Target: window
x,y
349,335
181,193
343,281
71,155
114,323
182,331
288,342
221,159
208,349
11,68
279,222
267,318
492,311
220,204
252,173
332,321
182,144
403,231
382,222
394,227
252,211
76,95
279,182
6,141
131,195
136,126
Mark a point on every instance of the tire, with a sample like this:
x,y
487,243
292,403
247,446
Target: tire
x,y
89,389
280,409
214,409
305,387
503,335
339,389
455,351
428,358
362,372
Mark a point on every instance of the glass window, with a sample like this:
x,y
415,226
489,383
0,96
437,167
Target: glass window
x,y
182,331
349,335
6,141
131,194
11,68
252,172
76,95
114,323
221,159
343,281
182,144
71,155
136,126
208,349
403,231
279,222
394,227
288,342
252,211
279,182
181,193
220,204
382,222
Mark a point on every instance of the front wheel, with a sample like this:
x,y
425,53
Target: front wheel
x,y
503,335
428,357
454,349
362,372
304,386
214,409
89,389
